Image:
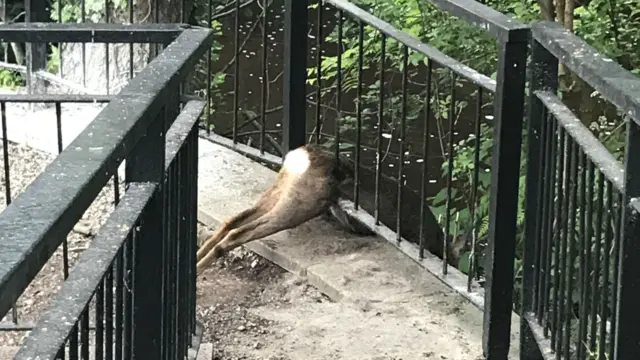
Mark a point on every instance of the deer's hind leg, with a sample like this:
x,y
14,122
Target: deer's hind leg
x,y
234,222
268,224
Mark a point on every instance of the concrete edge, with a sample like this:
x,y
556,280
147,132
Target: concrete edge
x,y
205,352
261,248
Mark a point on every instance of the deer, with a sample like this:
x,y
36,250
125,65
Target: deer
x,y
306,186
310,183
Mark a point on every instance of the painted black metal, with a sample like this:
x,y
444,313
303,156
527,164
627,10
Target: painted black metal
x,y
593,148
505,175
613,82
85,165
53,327
579,209
543,75
36,54
90,32
627,340
79,173
295,74
55,98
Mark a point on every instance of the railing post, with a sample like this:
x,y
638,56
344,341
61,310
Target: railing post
x,y
146,164
505,171
295,74
36,54
543,76
627,337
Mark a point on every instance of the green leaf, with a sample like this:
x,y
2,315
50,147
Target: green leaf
x,y
465,262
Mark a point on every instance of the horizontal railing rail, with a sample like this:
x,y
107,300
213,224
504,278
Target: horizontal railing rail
x,y
54,326
34,32
378,199
98,262
36,222
607,77
428,51
26,244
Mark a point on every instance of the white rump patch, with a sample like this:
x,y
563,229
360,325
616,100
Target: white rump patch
x,y
297,161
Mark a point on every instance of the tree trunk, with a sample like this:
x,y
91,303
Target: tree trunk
x,y
96,72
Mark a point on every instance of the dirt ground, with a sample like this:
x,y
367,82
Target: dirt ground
x,y
231,289
253,310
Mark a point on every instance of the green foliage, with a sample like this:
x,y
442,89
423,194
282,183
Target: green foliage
x,y
10,79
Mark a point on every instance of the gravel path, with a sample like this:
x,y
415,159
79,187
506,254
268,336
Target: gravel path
x,y
227,292
25,165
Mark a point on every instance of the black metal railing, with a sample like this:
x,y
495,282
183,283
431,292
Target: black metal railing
x,y
324,100
580,264
132,292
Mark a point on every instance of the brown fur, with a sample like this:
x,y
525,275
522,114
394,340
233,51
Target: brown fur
x,y
291,201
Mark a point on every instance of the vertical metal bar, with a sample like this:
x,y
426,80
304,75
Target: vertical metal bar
x,y
402,141
538,247
193,234
164,273
83,19
425,159
173,257
616,267
383,56
107,8
84,334
558,229
265,83
338,121
570,263
65,241
586,296
543,76
36,54
564,222
583,252
108,310
505,171
130,8
127,346
5,154
146,164
236,71
359,106
99,333
549,219
178,248
5,46
627,337
604,301
447,214
320,40
7,179
59,126
116,188
295,73
183,246
119,311
474,192
209,72
156,19
60,64
595,281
